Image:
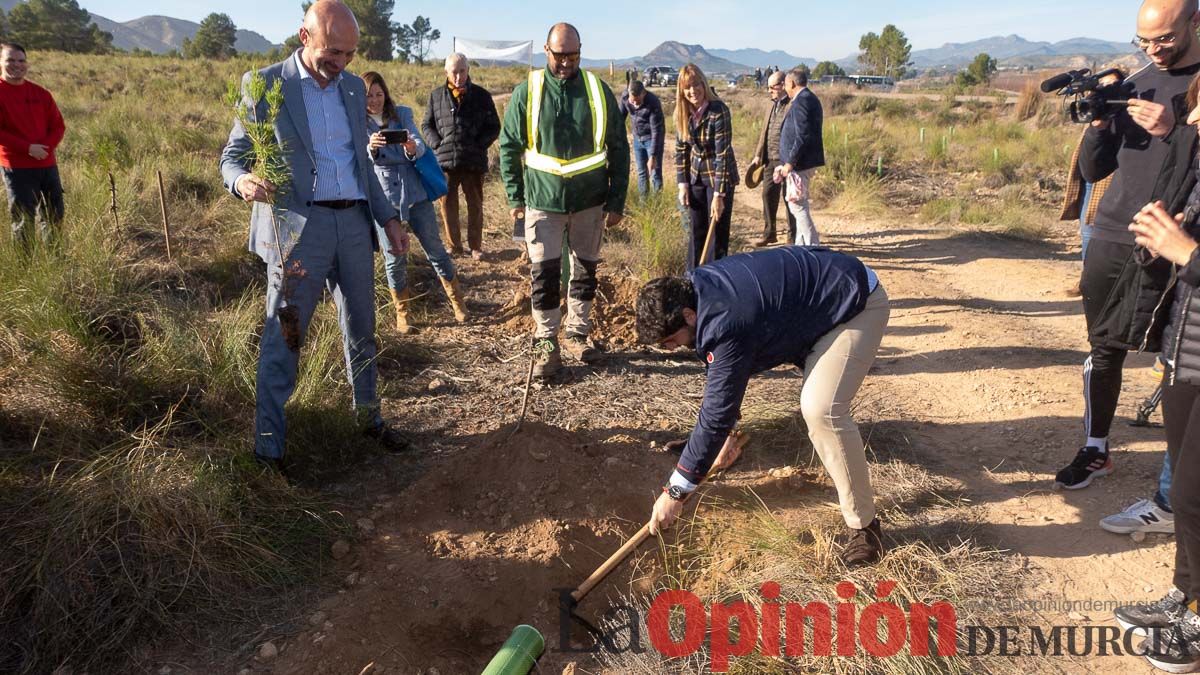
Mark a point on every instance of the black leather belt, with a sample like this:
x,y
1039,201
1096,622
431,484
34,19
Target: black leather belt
x,y
338,204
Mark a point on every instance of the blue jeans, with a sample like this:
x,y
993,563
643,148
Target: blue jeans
x,y
334,251
422,220
1164,485
641,155
1085,228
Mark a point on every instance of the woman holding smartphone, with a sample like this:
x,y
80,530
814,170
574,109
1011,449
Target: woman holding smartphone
x,y
395,146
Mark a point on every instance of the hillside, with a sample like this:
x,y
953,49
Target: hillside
x,y
677,54
170,33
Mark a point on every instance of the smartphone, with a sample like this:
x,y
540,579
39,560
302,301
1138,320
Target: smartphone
x,y
518,229
395,136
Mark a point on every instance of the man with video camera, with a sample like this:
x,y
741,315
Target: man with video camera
x,y
1140,145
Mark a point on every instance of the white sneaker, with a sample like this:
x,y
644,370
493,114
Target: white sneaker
x,y
1142,516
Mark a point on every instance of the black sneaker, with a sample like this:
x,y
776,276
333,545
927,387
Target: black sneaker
x,y
1158,614
391,439
1175,649
1089,463
865,546
580,348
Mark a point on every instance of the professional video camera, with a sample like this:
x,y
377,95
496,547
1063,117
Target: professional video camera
x,y
1093,101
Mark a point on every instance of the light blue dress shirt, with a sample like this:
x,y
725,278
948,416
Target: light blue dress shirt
x,y
332,141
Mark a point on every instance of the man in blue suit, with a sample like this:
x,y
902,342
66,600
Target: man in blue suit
x,y
317,229
817,309
801,151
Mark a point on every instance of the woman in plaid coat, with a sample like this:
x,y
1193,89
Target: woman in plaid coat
x,y
704,164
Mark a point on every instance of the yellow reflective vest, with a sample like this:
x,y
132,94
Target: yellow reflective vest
x,y
558,166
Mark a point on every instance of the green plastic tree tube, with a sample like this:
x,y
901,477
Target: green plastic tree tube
x,y
518,654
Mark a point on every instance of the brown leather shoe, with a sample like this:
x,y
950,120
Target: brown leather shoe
x,y
865,546
762,241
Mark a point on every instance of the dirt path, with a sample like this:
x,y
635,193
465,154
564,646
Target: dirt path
x,y
983,361
979,374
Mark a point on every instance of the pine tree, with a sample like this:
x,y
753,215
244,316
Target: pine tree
x,y
885,54
214,39
56,24
829,68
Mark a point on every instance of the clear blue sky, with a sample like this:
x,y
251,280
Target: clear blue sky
x,y
622,28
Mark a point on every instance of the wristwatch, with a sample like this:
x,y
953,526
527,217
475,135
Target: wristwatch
x,y
675,492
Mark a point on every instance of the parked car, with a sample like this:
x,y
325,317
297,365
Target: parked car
x,y
742,80
660,76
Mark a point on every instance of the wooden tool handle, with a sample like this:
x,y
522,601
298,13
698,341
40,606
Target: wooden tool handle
x,y
612,563
615,560
708,240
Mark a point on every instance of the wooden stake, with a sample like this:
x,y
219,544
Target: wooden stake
x,y
112,191
162,204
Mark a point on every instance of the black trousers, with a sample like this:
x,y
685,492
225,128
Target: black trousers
x,y
1102,369
35,198
700,198
1181,415
771,192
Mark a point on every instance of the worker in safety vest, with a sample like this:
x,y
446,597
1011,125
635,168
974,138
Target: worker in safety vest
x,y
564,160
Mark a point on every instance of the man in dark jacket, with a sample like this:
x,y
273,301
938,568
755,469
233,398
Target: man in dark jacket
x,y
1138,149
649,129
766,155
801,151
822,311
460,124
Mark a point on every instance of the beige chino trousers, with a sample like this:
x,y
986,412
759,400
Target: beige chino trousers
x,y
833,372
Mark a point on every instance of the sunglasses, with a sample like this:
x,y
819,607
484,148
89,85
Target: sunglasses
x,y
563,57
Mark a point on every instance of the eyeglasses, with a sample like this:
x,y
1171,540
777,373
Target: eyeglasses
x,y
563,57
1162,41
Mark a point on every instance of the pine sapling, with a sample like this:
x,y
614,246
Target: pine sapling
x,y
268,161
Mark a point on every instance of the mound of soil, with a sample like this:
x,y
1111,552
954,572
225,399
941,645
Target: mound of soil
x,y
478,546
614,319
614,315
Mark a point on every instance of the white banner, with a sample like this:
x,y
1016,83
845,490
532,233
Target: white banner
x,y
495,50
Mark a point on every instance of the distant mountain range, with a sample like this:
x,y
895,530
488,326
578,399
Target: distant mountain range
x,y
1013,50
757,58
161,34
1015,46
678,54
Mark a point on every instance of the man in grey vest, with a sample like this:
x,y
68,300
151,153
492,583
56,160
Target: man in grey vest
x,y
315,231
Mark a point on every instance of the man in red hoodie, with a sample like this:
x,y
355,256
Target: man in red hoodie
x,y
31,127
